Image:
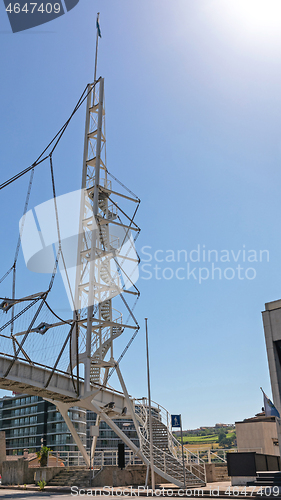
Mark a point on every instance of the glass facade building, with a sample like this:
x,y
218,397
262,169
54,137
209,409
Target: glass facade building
x,y
29,422
107,439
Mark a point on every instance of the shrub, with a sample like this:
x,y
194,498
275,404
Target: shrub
x,y
43,455
42,484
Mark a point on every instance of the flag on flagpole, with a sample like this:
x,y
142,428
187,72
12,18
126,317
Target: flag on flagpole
x,y
269,408
98,27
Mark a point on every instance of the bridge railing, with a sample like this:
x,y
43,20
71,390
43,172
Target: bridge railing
x,y
110,457
101,458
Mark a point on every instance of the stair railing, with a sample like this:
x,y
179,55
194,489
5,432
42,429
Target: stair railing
x,y
169,463
106,330
192,461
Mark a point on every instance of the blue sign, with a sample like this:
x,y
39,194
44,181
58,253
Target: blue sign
x,y
176,420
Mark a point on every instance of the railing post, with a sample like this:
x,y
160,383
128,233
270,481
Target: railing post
x,y
164,462
209,457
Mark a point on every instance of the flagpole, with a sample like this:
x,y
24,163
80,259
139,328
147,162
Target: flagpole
x,y
183,466
277,420
97,44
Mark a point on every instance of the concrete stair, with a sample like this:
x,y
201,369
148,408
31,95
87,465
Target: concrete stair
x,y
267,479
69,477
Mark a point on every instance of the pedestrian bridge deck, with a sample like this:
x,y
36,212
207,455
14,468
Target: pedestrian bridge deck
x,y
32,379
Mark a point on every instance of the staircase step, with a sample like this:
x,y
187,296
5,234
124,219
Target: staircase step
x,y
79,477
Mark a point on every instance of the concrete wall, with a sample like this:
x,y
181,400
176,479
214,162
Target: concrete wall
x,y
242,480
46,473
216,472
17,472
272,330
2,449
257,436
210,473
134,475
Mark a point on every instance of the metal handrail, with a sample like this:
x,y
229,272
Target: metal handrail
x,y
167,419
165,461
162,459
101,458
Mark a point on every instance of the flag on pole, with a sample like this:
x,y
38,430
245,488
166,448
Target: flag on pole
x,y
269,408
98,26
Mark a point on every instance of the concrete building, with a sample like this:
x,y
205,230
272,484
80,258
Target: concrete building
x,y
29,422
107,438
272,330
257,434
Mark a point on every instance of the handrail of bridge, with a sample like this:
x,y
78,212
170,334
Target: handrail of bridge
x,y
67,374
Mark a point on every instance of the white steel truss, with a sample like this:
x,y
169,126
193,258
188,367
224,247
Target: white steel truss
x,y
103,271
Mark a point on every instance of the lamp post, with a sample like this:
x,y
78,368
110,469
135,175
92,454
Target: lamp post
x,y
150,419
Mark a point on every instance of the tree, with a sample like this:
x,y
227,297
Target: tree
x,y
226,441
43,455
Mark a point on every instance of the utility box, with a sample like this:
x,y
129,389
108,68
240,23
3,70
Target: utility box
x,y
243,467
121,456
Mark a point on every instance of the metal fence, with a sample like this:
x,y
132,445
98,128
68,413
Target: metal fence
x,y
101,458
110,457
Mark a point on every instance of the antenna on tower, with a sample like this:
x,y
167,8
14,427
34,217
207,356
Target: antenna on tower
x,y
97,44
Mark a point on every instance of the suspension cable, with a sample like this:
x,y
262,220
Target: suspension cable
x,y
122,355
59,135
123,185
6,274
18,248
60,252
24,215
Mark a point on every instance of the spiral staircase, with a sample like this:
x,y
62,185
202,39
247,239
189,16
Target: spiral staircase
x,y
167,451
107,313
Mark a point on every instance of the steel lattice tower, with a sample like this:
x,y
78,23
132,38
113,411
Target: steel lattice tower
x,y
102,235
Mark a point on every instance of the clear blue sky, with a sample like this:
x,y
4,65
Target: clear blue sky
x,y
193,118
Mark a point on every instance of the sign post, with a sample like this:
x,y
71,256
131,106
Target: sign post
x,y
176,422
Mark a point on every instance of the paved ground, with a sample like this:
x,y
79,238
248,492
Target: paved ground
x,y
212,490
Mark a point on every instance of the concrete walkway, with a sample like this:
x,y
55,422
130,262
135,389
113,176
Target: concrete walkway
x,y
212,490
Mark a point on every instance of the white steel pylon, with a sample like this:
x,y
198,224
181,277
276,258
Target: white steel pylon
x,y
107,260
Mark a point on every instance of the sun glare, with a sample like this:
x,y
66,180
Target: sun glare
x,y
258,21
257,14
